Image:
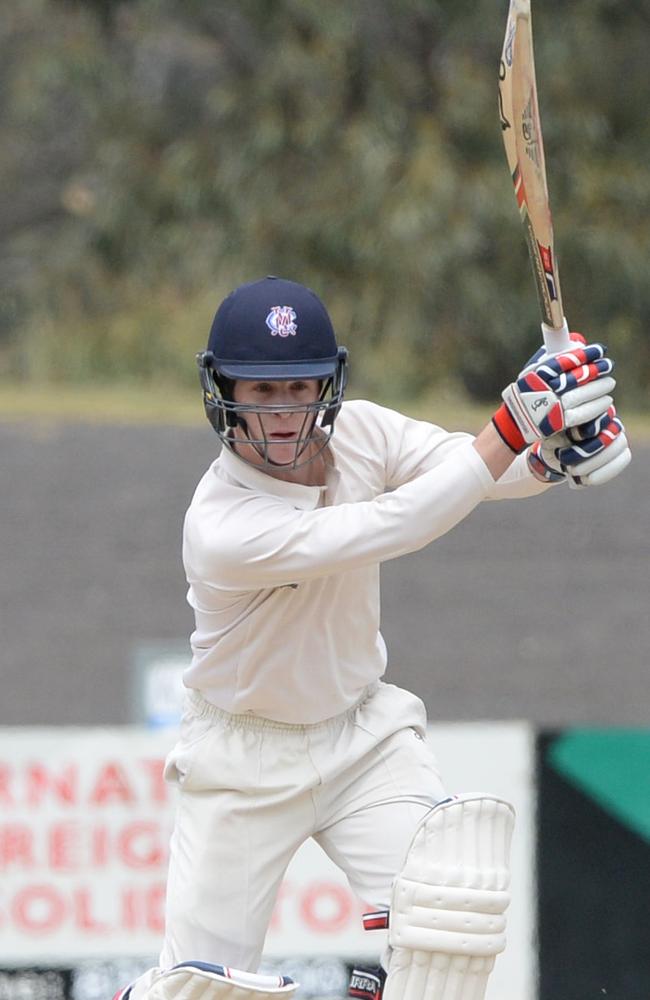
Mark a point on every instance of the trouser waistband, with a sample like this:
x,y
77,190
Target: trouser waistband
x,y
204,709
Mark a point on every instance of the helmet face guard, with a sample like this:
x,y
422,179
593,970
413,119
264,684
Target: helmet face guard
x,y
317,426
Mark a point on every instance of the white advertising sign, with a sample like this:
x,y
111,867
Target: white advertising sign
x,y
84,825
85,820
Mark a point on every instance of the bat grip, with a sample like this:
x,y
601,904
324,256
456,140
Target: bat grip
x,y
556,339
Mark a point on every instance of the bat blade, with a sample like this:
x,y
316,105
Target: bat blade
x,y
524,145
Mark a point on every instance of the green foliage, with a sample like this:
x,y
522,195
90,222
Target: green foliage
x,y
156,154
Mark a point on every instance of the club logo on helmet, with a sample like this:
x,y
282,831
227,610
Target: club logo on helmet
x,y
281,321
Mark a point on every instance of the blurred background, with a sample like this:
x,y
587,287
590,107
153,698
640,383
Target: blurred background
x,y
153,155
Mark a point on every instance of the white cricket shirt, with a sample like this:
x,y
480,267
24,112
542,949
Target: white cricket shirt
x,y
284,578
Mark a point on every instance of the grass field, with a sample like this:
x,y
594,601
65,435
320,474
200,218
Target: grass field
x,y
130,404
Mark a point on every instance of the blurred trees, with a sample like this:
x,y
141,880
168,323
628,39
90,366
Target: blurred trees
x,y
154,154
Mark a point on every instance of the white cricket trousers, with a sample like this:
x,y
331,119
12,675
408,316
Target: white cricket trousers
x,y
252,791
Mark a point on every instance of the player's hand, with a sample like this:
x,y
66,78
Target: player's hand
x,y
588,455
561,391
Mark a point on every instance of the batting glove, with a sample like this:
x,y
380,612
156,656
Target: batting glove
x,y
588,455
559,392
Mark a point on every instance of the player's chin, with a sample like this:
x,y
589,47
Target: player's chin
x,y
281,452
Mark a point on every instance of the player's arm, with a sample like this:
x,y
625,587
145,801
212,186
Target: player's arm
x,y
496,454
416,446
262,542
404,448
550,447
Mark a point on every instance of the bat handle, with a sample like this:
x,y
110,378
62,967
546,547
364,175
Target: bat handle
x,y
556,339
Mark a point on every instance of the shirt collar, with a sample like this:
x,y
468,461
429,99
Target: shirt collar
x,y
244,474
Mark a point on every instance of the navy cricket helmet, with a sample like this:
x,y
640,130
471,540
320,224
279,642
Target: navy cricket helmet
x,y
272,330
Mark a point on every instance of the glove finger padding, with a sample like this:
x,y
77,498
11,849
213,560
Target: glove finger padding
x,y
602,465
542,354
580,376
589,461
580,406
574,358
610,438
590,454
608,471
591,429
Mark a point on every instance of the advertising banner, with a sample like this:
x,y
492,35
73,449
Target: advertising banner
x,y
85,821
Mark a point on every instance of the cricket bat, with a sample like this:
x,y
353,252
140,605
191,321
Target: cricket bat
x,y
522,138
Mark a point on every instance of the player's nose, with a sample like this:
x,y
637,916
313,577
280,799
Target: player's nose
x,y
285,414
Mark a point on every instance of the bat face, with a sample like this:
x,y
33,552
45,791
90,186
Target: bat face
x,y
522,138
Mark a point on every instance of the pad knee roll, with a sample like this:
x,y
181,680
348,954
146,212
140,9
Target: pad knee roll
x,y
447,918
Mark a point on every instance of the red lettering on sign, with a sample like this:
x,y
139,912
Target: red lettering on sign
x,y
38,909
5,785
158,786
156,909
139,845
111,786
130,909
65,846
16,846
84,918
99,847
40,782
326,907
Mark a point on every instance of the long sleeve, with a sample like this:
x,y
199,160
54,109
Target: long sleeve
x,y
260,541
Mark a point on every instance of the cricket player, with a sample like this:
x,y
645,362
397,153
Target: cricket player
x,y
289,731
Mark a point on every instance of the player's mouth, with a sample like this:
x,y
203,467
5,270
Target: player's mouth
x,y
282,436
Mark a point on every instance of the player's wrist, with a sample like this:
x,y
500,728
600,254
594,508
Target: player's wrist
x,y
495,453
508,430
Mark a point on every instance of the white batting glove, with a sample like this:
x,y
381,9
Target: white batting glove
x,y
588,455
561,391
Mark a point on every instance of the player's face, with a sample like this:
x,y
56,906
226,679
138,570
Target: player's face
x,y
282,430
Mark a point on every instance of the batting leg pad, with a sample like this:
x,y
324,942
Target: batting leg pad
x,y
447,918
204,981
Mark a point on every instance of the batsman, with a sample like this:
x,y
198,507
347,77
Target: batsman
x,y
289,731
